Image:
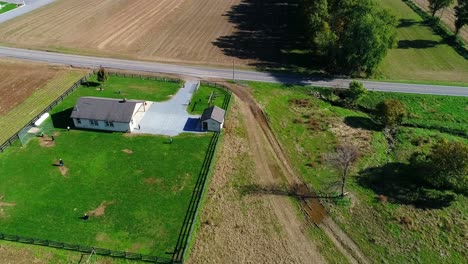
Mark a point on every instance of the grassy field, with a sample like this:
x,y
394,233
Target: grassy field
x,y
138,187
6,7
130,88
200,99
420,54
392,232
24,109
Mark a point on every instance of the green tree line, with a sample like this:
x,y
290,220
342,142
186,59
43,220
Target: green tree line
x,y
354,36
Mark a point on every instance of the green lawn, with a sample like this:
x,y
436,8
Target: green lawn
x,y
446,113
6,7
200,99
131,88
309,129
147,187
421,54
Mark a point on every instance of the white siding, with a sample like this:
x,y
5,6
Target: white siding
x,y
213,125
85,123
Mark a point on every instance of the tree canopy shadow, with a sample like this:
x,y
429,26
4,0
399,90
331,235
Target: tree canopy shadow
x,y
417,44
405,22
398,182
271,33
91,84
362,122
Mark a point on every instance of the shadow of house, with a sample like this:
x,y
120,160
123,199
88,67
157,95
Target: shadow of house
x,y
62,119
401,185
270,32
192,125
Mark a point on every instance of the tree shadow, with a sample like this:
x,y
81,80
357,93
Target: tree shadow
x,y
417,44
398,181
298,191
362,122
62,119
91,84
272,34
405,22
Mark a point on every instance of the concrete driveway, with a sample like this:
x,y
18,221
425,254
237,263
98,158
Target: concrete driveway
x,y
170,118
30,6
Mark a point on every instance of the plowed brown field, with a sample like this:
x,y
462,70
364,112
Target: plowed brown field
x,y
20,80
163,30
27,88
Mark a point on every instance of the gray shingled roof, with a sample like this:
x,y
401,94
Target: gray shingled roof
x,y
214,113
104,109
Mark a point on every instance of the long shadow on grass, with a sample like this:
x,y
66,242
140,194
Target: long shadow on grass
x,y
62,119
271,33
362,123
417,44
398,182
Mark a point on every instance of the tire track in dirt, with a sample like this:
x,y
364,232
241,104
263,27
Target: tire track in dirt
x,y
275,168
237,228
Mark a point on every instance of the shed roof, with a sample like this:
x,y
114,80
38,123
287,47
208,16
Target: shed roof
x,y
105,109
214,113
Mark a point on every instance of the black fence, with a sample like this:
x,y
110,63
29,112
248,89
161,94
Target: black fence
x,y
181,250
85,249
143,77
188,227
15,137
227,98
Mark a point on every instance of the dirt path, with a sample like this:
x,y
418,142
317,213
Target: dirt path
x,y
240,228
273,167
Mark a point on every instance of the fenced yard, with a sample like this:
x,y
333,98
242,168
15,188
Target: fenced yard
x,y
141,192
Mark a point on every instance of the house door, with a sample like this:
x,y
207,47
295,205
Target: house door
x,y
205,126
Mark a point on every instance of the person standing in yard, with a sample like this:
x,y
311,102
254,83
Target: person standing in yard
x,y
68,128
60,162
53,138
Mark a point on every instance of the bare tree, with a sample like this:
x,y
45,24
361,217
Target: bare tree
x,y
343,159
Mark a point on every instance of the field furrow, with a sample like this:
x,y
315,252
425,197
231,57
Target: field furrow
x,y
171,31
26,89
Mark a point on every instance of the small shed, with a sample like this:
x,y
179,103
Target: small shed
x,y
212,119
107,114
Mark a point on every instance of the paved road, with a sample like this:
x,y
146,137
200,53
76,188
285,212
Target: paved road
x,y
30,6
204,72
170,118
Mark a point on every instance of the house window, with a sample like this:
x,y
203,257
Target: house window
x,y
94,122
109,124
78,121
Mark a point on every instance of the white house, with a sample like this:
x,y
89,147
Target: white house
x,y
212,119
107,114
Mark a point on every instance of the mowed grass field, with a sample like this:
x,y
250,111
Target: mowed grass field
x,y
167,30
201,98
447,16
135,188
26,89
420,53
392,232
5,7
